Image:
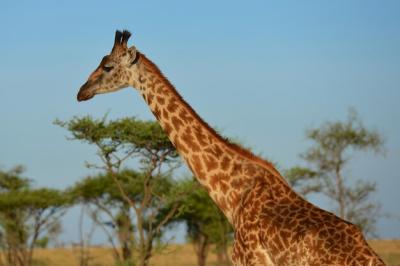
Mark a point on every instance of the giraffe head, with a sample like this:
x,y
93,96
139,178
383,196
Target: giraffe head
x,y
115,70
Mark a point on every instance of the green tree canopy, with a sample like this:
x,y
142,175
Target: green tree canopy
x,y
148,191
26,214
127,135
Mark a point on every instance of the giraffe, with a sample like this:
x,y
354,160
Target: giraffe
x,y
272,224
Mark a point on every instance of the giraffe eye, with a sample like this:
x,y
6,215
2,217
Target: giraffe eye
x,y
107,68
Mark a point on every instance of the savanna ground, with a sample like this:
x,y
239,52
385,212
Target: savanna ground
x,y
176,255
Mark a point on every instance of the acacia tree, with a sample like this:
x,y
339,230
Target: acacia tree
x,y
334,145
110,210
206,224
25,215
153,203
103,202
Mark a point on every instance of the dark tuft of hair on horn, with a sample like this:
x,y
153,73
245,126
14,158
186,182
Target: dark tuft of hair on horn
x,y
125,36
118,37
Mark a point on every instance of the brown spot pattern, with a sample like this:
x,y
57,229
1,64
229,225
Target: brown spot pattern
x,y
210,162
184,115
220,181
176,122
197,166
190,143
172,106
160,100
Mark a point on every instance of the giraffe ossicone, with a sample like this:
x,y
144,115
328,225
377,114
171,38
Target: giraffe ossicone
x,y
273,225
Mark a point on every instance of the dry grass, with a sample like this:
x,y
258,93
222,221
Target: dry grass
x,y
389,250
177,255
173,255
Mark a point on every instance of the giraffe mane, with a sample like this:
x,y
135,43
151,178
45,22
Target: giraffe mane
x,y
235,147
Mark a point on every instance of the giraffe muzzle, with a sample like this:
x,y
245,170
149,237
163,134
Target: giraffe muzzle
x,y
85,93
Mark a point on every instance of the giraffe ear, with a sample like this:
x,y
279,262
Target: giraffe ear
x,y
133,54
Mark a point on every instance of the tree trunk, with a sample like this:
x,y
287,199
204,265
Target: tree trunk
x,y
127,254
341,195
223,257
201,247
125,232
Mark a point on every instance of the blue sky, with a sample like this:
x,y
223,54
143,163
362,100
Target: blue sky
x,y
262,72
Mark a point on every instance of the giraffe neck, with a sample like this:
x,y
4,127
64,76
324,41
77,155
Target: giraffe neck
x,y
222,168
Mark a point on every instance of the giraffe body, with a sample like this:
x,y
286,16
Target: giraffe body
x,y
273,225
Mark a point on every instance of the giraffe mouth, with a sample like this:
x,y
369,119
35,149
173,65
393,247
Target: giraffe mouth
x,y
81,97
84,93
